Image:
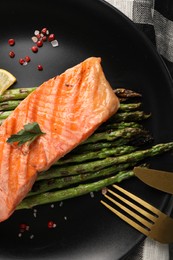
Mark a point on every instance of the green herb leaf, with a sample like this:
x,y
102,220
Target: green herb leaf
x,y
30,132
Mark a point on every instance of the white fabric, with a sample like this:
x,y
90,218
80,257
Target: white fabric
x,y
164,35
154,250
125,6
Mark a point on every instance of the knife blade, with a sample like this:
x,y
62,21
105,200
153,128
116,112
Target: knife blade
x,y
161,180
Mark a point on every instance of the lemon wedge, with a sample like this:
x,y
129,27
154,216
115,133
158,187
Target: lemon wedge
x,y
6,80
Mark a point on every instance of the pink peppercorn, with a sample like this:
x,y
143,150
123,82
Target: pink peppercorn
x,y
21,61
44,30
34,48
27,58
44,38
11,54
40,67
23,227
39,43
11,42
51,37
51,224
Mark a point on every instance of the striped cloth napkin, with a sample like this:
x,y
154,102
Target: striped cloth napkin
x,y
155,19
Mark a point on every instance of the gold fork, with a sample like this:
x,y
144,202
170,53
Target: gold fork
x,y
141,215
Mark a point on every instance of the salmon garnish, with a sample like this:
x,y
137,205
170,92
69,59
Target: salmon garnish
x,y
68,108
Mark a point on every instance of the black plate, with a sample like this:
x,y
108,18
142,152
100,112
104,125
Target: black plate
x,y
85,230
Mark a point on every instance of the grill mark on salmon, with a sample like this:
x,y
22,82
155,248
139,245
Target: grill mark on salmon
x,y
68,109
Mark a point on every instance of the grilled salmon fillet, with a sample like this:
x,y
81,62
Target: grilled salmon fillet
x,y
68,109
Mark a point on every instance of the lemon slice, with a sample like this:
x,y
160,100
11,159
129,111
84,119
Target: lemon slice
x,y
6,80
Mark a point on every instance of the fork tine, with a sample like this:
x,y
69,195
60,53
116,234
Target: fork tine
x,y
126,219
147,223
140,201
134,206
128,211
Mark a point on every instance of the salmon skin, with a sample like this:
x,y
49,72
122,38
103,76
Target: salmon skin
x,y
68,109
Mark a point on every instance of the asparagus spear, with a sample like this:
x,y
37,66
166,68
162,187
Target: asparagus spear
x,y
14,94
55,196
100,145
136,140
127,132
119,125
78,158
9,105
59,183
12,104
130,116
124,107
4,114
94,166
126,93
123,117
21,93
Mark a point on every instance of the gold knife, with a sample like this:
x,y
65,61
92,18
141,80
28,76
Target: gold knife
x,y
161,180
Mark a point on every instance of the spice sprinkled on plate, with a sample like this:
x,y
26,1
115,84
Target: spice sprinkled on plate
x,y
39,38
